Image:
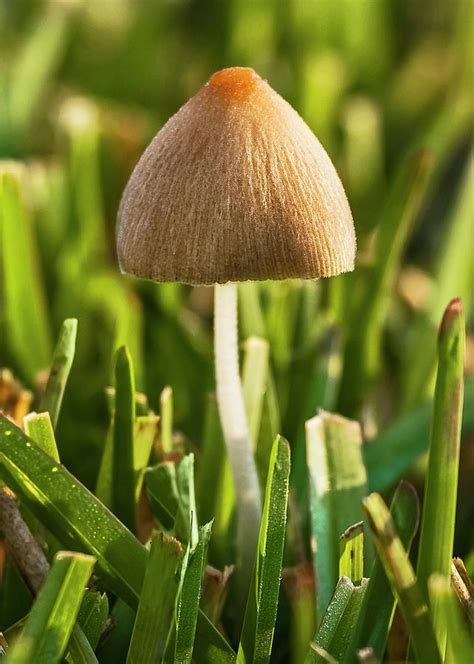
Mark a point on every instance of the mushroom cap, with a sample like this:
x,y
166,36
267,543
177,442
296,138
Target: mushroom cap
x,y
235,187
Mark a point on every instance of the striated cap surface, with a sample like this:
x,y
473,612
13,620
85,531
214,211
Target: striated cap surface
x,y
235,186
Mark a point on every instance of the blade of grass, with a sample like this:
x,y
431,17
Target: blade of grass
x,y
114,646
48,627
80,120
280,317
403,580
155,609
60,367
166,412
210,461
129,326
123,484
79,520
39,427
162,491
379,602
28,333
326,378
41,54
93,616
250,308
362,354
351,557
460,644
453,277
80,650
439,504
260,615
335,633
145,433
215,486
270,426
188,596
254,382
186,523
338,482
143,439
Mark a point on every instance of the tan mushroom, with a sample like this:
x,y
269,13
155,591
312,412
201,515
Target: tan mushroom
x,y
234,187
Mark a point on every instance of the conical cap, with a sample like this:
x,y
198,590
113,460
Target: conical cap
x,y
234,187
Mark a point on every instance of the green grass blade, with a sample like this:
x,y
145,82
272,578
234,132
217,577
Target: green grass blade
x,y
281,314
453,277
80,119
215,489
114,646
80,650
60,367
186,523
143,439
379,602
209,645
162,491
166,412
351,557
28,333
250,310
260,615
188,597
123,485
326,379
145,433
254,382
170,488
334,636
460,644
129,331
362,355
93,616
48,627
403,580
270,426
439,504
454,269
330,621
40,56
338,482
211,462
155,609
38,426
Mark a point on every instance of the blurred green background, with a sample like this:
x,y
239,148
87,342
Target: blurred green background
x,y
387,88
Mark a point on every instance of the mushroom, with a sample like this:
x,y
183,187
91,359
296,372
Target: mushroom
x,y
235,187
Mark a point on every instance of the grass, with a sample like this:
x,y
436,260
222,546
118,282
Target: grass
x,y
110,438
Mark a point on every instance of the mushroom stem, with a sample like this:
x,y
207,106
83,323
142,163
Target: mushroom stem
x,y
230,402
